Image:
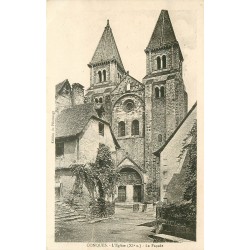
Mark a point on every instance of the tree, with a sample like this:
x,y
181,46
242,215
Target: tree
x,y
100,175
105,172
190,146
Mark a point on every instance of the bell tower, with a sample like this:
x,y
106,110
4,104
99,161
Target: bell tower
x,y
106,66
165,94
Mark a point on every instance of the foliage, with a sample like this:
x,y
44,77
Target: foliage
x,y
101,208
100,175
152,192
105,172
184,212
190,146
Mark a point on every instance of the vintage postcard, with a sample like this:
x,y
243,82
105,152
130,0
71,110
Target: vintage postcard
x,y
124,124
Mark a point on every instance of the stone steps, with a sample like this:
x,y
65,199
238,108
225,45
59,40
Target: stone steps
x,y
67,213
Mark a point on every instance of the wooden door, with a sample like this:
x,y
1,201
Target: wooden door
x,y
122,194
137,193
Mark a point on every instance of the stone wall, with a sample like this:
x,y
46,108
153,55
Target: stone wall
x,y
70,154
132,145
77,94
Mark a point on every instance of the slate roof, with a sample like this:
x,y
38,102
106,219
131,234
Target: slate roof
x,y
71,121
107,49
157,153
163,33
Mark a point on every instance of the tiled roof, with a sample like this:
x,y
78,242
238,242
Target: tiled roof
x,y
71,121
107,49
163,33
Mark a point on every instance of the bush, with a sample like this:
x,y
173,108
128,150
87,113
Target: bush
x,y
101,208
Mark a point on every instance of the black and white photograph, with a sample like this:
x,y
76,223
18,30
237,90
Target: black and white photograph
x,y
123,82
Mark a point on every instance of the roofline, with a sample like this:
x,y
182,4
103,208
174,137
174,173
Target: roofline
x,y
126,157
90,64
105,122
157,153
98,119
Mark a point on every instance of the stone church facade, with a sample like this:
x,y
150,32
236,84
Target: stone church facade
x,y
142,114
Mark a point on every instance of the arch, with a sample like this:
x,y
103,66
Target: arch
x,y
164,62
100,100
158,59
104,75
134,167
121,129
162,91
129,94
135,127
157,92
100,76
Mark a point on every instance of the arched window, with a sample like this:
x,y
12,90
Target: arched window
x,y
121,129
159,138
157,92
100,76
96,100
104,75
100,100
162,91
158,62
164,62
135,127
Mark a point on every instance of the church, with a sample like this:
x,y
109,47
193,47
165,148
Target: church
x,y
142,114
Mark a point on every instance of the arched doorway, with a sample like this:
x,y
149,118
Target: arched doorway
x,y
130,188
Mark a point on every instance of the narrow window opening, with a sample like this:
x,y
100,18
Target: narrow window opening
x,y
162,90
157,92
100,100
164,62
135,127
101,129
104,75
121,129
100,76
128,86
159,138
158,62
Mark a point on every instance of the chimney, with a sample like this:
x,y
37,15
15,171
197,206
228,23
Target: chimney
x,y
77,94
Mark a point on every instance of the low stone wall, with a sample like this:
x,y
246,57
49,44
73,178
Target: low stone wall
x,y
177,220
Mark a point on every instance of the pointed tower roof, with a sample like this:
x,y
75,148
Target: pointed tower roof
x,y
107,49
163,33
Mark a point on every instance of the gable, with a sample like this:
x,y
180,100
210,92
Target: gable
x,y
128,85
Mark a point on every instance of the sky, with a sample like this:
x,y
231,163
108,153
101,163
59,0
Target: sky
x,y
74,28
